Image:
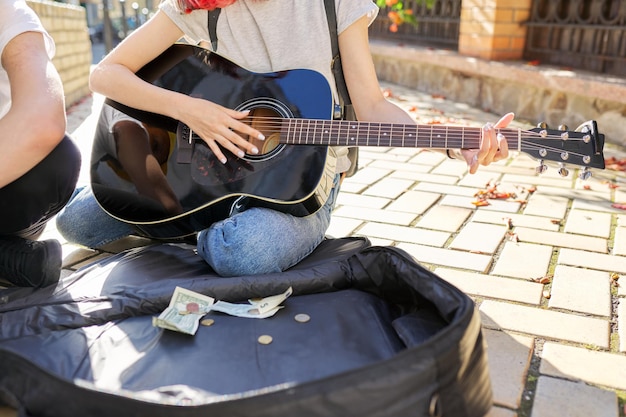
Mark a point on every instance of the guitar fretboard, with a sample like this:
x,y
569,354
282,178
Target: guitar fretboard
x,y
354,133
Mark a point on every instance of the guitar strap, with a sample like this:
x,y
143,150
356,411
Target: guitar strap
x,y
212,25
346,110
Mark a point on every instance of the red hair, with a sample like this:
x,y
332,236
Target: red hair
x,y
188,6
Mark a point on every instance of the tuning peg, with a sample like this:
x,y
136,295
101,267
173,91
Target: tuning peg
x,y
563,127
541,168
565,134
564,172
585,174
542,125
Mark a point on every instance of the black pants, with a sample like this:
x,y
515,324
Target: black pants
x,y
29,202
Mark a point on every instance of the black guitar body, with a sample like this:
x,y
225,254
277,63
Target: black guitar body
x,y
294,179
294,171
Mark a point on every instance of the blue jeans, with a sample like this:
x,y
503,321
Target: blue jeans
x,y
254,241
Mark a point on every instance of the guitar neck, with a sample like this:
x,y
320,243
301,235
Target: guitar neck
x,y
354,133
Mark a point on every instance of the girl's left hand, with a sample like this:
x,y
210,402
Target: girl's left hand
x,y
493,146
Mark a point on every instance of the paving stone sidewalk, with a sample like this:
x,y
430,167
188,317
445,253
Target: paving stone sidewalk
x,y
543,266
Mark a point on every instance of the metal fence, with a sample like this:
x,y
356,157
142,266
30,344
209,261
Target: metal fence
x,y
436,26
582,34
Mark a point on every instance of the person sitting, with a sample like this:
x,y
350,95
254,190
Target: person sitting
x,y
40,163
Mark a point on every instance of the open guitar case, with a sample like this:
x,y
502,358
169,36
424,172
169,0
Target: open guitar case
x,y
386,337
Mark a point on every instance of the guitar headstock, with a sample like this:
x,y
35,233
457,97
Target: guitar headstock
x,y
582,147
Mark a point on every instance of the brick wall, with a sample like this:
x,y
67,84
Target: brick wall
x,y
67,24
492,29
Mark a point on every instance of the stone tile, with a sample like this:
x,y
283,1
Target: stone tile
x,y
405,234
517,220
378,242
369,152
455,190
425,177
546,205
523,260
541,180
595,185
389,188
342,226
360,200
446,218
480,179
564,240
410,152
574,363
557,397
415,202
491,286
545,323
509,358
349,186
619,244
428,158
582,290
589,223
368,175
592,260
376,215
479,237
603,205
404,166
451,167
502,206
447,257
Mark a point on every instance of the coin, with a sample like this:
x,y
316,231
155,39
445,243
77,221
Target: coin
x,y
207,322
302,318
265,339
193,307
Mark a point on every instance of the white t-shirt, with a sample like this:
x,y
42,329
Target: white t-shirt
x,y
16,18
275,35
104,141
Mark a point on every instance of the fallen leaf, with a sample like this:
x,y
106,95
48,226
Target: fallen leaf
x,y
480,203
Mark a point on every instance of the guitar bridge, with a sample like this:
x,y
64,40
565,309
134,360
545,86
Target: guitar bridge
x,y
184,144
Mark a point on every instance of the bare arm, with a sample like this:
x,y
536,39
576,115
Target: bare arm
x,y
214,123
370,104
36,122
135,156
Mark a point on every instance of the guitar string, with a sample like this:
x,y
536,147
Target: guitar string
x,y
455,136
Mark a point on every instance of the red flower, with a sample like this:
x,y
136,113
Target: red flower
x,y
188,6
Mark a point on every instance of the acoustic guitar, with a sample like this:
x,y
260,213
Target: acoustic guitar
x,y
294,170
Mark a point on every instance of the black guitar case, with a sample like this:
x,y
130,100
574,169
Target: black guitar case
x,y
386,337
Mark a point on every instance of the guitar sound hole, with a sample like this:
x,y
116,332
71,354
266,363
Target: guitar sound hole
x,y
267,121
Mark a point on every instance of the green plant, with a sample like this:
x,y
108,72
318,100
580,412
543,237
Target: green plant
x,y
399,13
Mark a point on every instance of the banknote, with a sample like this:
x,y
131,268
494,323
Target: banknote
x,y
187,307
184,312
